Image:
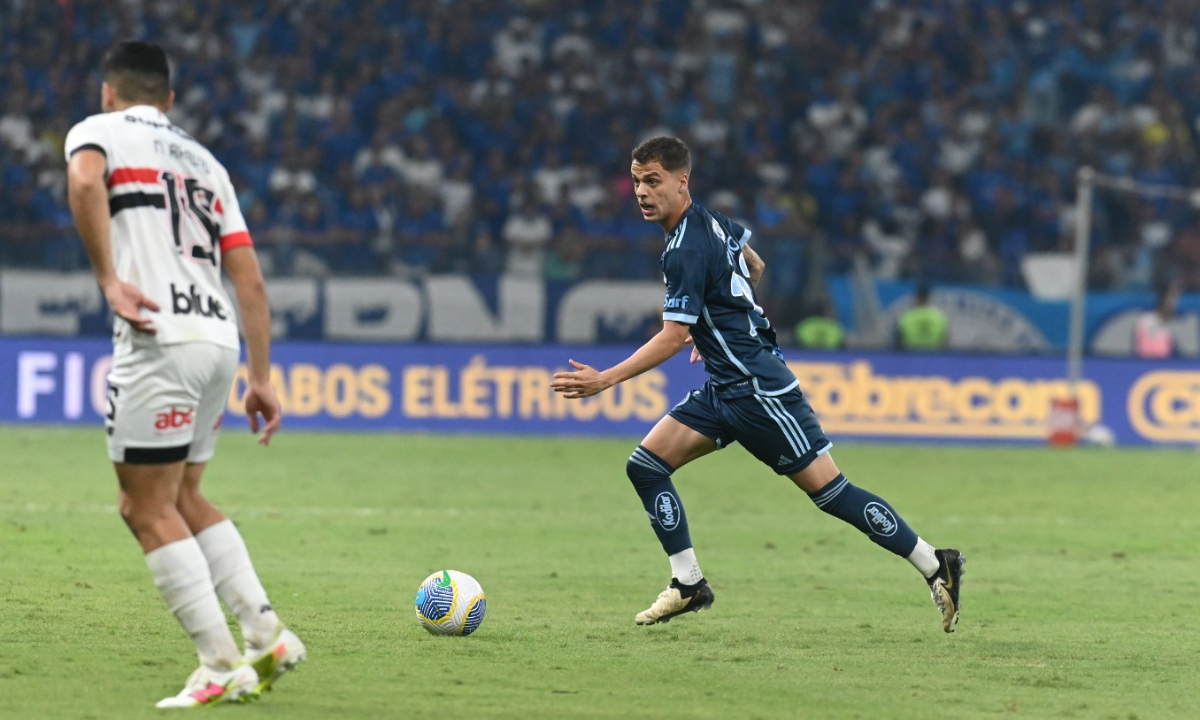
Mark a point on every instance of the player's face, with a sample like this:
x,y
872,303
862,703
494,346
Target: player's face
x,y
660,194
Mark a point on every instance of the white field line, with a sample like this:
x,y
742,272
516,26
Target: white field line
x,y
236,511
14,510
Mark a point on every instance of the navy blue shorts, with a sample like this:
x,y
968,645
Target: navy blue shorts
x,y
780,431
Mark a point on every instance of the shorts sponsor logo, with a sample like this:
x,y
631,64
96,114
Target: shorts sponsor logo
x,y
192,302
666,509
880,519
175,419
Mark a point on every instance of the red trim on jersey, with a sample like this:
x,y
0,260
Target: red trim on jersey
x,y
237,239
217,207
132,175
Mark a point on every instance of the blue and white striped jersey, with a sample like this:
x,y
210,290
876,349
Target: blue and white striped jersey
x,y
708,288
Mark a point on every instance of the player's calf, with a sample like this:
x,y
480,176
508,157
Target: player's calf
x,y
869,513
876,519
651,478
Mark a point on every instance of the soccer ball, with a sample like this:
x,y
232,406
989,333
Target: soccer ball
x,y
450,603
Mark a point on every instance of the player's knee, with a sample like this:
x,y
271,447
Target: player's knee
x,y
126,508
138,514
189,496
644,468
633,472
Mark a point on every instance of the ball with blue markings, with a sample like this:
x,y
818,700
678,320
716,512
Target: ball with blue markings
x,y
450,602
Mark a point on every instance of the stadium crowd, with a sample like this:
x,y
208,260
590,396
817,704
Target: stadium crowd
x,y
927,139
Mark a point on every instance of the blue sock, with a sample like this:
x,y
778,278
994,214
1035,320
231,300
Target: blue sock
x,y
869,513
651,477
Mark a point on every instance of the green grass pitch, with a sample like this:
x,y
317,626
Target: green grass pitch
x,y
1082,597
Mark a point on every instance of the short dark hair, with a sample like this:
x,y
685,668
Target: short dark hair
x,y
138,71
670,152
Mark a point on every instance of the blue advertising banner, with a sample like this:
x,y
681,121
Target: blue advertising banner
x,y
506,389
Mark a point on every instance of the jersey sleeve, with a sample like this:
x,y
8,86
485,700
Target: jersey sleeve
x,y
741,233
686,271
233,224
86,135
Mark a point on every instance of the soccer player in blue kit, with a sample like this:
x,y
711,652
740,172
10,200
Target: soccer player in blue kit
x,y
751,396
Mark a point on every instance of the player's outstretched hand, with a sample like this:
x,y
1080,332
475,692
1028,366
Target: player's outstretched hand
x,y
261,400
586,381
127,301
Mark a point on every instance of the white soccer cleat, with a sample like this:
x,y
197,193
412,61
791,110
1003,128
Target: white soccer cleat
x,y
206,687
676,600
283,653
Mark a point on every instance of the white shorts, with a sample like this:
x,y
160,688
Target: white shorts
x,y
166,402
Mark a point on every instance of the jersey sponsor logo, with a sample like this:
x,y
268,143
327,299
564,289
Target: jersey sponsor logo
x,y
161,126
193,303
175,419
716,227
666,510
880,519
676,303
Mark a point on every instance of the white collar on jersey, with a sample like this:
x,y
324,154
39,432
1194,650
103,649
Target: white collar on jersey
x,y
147,111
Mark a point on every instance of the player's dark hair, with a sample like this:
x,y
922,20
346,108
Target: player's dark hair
x,y
670,152
138,71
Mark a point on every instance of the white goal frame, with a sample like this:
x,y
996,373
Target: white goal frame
x,y
1088,180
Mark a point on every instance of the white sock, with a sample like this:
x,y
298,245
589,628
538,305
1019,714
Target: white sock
x,y
237,583
182,576
685,568
923,559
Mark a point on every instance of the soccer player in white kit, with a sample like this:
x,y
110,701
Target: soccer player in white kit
x,y
159,219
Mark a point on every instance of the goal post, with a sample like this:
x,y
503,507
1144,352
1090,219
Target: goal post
x,y
1064,416
1065,423
1086,178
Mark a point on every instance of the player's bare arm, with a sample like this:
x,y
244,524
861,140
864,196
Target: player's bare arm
x,y
586,381
87,195
754,264
241,264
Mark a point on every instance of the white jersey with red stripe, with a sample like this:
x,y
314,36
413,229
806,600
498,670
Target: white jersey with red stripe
x,y
174,212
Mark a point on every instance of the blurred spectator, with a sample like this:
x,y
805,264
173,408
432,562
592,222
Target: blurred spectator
x,y
564,259
1153,337
485,256
923,326
934,140
422,238
526,234
821,330
359,233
